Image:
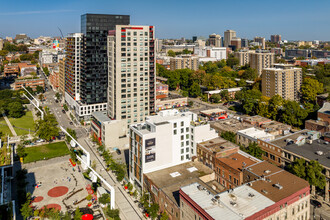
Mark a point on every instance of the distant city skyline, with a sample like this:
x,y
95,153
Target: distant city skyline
x,y
294,20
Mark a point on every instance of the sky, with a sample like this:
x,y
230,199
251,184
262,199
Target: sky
x,y
293,19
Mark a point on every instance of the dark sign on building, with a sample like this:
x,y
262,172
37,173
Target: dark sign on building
x,y
150,151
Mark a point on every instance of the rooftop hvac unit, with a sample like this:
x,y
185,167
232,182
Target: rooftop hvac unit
x,y
277,185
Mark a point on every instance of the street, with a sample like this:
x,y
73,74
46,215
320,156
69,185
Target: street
x,y
124,202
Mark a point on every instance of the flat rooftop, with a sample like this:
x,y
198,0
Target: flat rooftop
x,y
308,151
325,108
275,125
101,116
171,179
239,203
239,160
256,118
275,183
230,124
255,133
211,111
218,144
167,115
284,140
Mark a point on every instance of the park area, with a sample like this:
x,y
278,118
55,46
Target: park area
x,y
4,129
24,124
46,151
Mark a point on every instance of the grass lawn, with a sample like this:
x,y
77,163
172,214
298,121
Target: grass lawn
x,y
4,128
25,122
46,151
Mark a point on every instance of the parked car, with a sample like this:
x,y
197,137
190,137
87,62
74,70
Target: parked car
x,y
63,111
71,123
118,151
316,203
40,141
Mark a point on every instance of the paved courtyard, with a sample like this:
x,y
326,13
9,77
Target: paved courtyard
x,y
57,185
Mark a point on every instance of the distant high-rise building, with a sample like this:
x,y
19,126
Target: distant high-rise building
x,y
236,43
261,60
243,56
244,42
215,40
1,44
229,35
94,72
194,38
283,79
291,53
132,73
275,38
158,45
261,41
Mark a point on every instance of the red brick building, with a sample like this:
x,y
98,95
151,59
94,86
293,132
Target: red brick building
x,y
54,78
11,69
33,83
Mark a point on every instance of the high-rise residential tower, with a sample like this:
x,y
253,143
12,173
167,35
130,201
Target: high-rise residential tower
x,y
282,79
229,35
261,41
215,40
131,63
94,73
275,38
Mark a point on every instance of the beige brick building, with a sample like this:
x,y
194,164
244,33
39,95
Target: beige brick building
x,y
243,56
184,62
261,60
283,79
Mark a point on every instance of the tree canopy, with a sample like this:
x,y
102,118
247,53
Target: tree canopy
x,y
47,128
310,88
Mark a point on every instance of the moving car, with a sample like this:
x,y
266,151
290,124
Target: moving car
x,y
316,203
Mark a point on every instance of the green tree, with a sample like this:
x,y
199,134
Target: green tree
x,y
65,107
3,53
47,128
67,216
164,216
153,210
298,168
232,61
25,57
254,150
77,214
249,100
39,89
58,96
250,74
15,110
195,90
309,89
171,53
275,103
293,114
104,199
229,136
27,210
224,95
112,213
72,133
215,98
20,151
314,174
241,83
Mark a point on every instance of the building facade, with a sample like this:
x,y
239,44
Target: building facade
x,y
94,60
61,68
164,140
215,40
219,53
261,41
184,62
275,38
261,60
228,36
132,73
284,80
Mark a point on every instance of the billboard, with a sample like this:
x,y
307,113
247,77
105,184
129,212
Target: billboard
x,y
150,150
56,44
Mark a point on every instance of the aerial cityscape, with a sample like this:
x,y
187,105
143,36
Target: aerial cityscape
x,y
149,112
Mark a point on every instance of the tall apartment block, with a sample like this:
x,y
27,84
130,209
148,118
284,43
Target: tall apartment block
x,y
61,65
283,79
260,60
184,62
261,41
73,66
243,56
131,64
244,42
1,44
275,38
229,35
236,43
215,40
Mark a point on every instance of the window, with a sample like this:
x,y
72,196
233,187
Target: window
x,y
174,132
182,130
182,137
182,123
174,125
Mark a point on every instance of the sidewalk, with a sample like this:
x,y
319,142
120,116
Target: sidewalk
x,y
10,126
124,202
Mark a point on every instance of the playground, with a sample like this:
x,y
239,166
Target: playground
x,y
58,185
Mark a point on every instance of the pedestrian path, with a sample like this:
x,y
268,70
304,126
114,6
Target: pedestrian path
x,y
10,126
